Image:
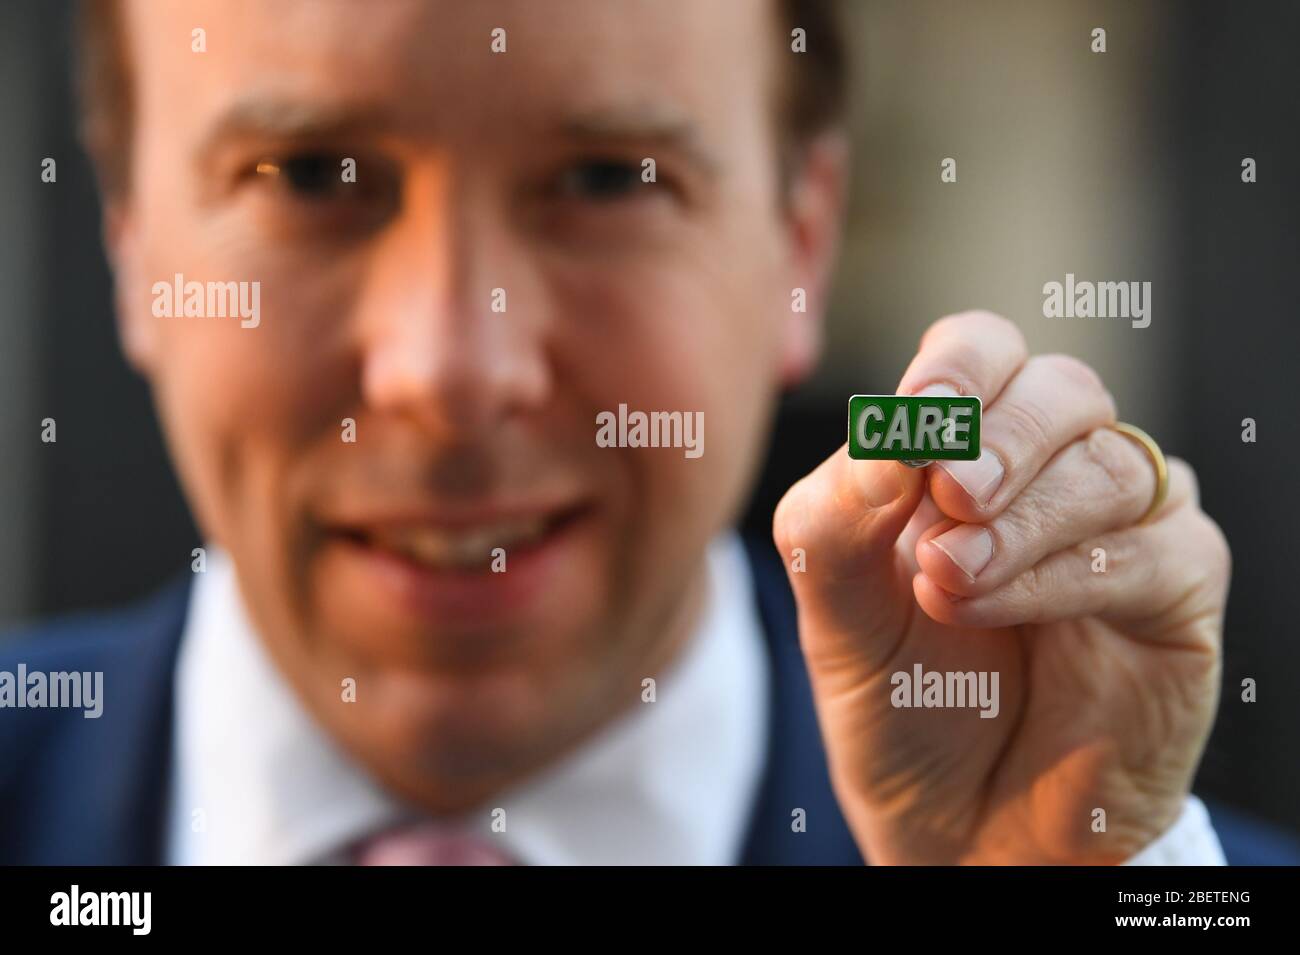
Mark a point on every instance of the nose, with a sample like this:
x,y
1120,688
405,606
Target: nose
x,y
452,338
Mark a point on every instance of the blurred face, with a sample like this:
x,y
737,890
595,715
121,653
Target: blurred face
x,y
400,452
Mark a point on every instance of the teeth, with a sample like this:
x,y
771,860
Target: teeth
x,y
470,547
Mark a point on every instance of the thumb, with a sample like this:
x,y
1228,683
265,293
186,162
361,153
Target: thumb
x,y
854,596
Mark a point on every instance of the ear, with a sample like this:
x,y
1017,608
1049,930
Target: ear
x,y
137,329
814,219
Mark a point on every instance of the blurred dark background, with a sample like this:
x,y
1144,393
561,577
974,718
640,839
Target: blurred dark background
x,y
1117,166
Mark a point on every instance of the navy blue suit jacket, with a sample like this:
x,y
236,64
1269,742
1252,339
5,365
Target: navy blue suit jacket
x,y
82,791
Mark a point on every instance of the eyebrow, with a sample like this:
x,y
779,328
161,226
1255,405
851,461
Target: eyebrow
x,y
287,119
641,125
283,119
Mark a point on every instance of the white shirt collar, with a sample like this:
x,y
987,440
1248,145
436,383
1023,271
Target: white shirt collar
x,y
257,781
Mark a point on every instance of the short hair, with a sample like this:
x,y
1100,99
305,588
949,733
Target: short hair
x,y
810,99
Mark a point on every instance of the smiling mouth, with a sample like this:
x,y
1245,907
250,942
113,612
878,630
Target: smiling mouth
x,y
463,546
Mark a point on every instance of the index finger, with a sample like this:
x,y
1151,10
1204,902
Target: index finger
x,y
973,353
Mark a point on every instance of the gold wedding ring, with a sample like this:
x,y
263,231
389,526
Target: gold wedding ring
x,y
1157,458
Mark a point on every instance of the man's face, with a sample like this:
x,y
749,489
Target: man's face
x,y
474,425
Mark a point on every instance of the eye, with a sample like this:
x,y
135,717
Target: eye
x,y
325,192
600,180
306,175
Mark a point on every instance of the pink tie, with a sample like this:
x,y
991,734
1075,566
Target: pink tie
x,y
428,843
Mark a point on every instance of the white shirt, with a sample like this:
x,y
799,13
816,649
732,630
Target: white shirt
x,y
669,782
257,781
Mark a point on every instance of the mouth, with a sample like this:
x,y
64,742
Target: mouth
x,y
475,570
464,545
465,548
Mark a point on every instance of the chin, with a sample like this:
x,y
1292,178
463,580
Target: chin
x,y
462,739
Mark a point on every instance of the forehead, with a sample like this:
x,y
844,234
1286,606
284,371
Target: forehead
x,y
430,63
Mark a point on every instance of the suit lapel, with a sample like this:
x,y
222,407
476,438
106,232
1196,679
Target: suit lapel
x,y
97,794
795,776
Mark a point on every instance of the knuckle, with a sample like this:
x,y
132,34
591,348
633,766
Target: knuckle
x,y
1029,589
1077,373
1198,572
1143,559
1217,550
1122,465
1028,425
1183,483
1009,329
1016,529
1070,368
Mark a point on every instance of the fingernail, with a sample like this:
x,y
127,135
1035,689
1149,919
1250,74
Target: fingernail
x,y
969,546
980,478
881,485
937,391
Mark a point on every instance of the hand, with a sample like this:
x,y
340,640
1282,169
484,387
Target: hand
x,y
1108,678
